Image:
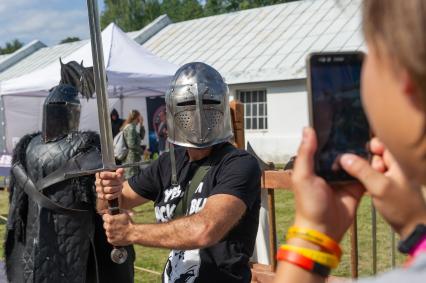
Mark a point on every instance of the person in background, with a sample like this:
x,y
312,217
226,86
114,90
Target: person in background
x,y
116,122
162,133
142,133
394,97
133,142
141,129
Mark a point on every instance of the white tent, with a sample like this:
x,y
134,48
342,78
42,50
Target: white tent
x,y
133,74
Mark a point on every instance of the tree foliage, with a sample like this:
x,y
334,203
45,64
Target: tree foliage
x,y
69,39
133,15
11,47
190,9
214,7
130,14
236,5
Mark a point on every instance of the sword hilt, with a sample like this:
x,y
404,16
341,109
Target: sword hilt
x,y
114,207
118,254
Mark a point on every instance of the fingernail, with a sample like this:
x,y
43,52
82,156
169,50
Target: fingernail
x,y
347,160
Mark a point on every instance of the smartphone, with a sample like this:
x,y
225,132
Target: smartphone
x,y
335,110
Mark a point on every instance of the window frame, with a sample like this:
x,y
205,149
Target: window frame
x,y
254,100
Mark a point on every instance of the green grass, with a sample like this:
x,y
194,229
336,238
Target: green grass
x,y
154,259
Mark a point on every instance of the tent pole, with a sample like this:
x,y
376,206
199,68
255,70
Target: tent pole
x,y
121,102
3,149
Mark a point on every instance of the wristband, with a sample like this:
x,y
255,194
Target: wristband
x,y
407,245
420,247
303,262
315,237
323,258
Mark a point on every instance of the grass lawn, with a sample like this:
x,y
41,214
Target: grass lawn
x,y
154,259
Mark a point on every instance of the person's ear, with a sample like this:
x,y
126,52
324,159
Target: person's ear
x,y
410,90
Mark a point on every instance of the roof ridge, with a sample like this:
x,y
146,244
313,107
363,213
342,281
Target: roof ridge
x,y
21,53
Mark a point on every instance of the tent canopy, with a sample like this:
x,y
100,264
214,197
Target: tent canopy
x,y
133,74
131,69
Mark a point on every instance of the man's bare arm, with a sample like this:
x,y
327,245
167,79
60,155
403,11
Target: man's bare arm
x,y
203,229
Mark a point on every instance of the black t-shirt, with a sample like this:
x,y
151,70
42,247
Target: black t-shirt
x,y
237,174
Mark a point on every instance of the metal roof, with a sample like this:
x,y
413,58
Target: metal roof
x,y
40,59
20,54
263,44
4,56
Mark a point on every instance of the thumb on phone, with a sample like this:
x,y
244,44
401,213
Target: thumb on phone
x,y
359,168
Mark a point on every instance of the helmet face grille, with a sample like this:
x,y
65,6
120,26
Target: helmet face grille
x,y
184,120
214,118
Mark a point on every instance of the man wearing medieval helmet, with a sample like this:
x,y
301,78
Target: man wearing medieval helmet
x,y
205,191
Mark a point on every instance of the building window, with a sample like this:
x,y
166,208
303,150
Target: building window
x,y
255,109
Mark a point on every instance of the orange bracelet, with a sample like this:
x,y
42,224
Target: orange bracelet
x,y
303,262
315,237
324,258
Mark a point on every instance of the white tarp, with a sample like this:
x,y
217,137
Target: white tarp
x,y
133,74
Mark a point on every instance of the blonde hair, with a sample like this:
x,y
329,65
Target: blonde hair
x,y
400,27
133,116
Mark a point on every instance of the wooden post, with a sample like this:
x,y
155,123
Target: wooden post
x,y
272,229
393,252
374,236
237,116
354,249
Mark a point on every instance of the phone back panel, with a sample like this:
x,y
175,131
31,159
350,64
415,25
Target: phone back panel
x,y
336,111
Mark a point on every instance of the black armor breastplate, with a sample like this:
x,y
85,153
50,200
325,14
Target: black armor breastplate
x,y
57,245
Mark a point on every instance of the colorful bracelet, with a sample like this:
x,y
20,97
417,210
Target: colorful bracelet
x,y
419,248
303,262
323,258
315,237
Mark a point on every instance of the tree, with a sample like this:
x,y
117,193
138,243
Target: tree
x,y
237,5
152,10
191,9
69,39
125,13
130,15
214,7
11,46
172,8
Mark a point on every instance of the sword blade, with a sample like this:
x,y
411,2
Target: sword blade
x,y
99,73
118,254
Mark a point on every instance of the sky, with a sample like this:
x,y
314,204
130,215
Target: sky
x,y
49,21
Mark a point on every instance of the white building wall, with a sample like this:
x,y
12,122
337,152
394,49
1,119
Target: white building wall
x,y
287,115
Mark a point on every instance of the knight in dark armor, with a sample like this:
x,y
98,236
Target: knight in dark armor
x,y
54,233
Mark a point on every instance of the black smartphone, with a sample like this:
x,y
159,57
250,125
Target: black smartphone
x,y
336,111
